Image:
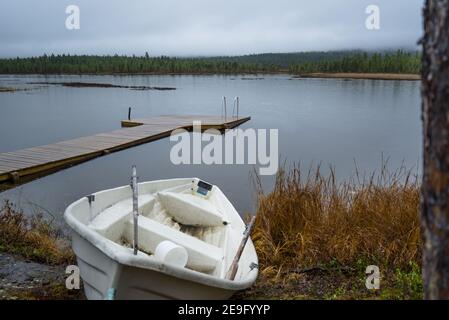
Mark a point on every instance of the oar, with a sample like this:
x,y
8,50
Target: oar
x,y
235,263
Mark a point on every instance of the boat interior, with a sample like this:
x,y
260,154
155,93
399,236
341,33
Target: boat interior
x,y
188,212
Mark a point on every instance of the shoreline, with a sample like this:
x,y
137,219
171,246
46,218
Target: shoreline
x,y
8,89
357,76
317,75
283,72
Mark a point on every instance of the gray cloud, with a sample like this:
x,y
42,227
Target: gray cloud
x,y
204,27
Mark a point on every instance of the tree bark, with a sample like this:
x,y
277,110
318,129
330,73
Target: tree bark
x,y
435,116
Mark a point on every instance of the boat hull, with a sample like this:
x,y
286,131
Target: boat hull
x,y
99,273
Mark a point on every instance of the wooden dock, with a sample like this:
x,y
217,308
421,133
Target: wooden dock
x,y
20,166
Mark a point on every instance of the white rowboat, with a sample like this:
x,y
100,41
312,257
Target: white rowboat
x,y
187,235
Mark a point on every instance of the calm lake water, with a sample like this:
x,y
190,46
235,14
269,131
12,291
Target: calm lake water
x,y
327,121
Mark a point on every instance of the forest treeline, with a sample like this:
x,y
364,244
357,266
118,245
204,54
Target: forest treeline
x,y
72,64
397,62
285,60
306,62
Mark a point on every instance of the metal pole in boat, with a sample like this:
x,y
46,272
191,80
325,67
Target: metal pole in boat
x,y
135,209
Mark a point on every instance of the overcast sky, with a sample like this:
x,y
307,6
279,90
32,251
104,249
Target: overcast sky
x,y
204,27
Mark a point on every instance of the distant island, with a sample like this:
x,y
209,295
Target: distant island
x,y
355,64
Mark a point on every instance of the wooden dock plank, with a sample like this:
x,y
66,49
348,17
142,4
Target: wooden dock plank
x,y
18,156
18,162
58,151
38,155
6,168
40,160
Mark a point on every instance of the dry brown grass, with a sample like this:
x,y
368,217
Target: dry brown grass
x,y
309,221
34,238
367,76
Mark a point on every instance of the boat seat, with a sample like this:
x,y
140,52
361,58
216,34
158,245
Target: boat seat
x,y
108,222
202,256
190,210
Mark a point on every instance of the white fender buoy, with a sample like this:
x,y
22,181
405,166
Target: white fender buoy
x,y
171,253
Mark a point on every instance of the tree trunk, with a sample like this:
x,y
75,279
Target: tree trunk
x,y
435,115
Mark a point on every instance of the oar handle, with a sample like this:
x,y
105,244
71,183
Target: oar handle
x,y
235,263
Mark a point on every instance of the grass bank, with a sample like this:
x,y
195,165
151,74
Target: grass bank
x,y
34,253
34,238
315,237
367,76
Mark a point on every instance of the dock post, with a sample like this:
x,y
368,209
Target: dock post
x,y
129,113
15,177
224,107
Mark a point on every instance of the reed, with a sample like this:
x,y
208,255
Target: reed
x,y
34,238
309,220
